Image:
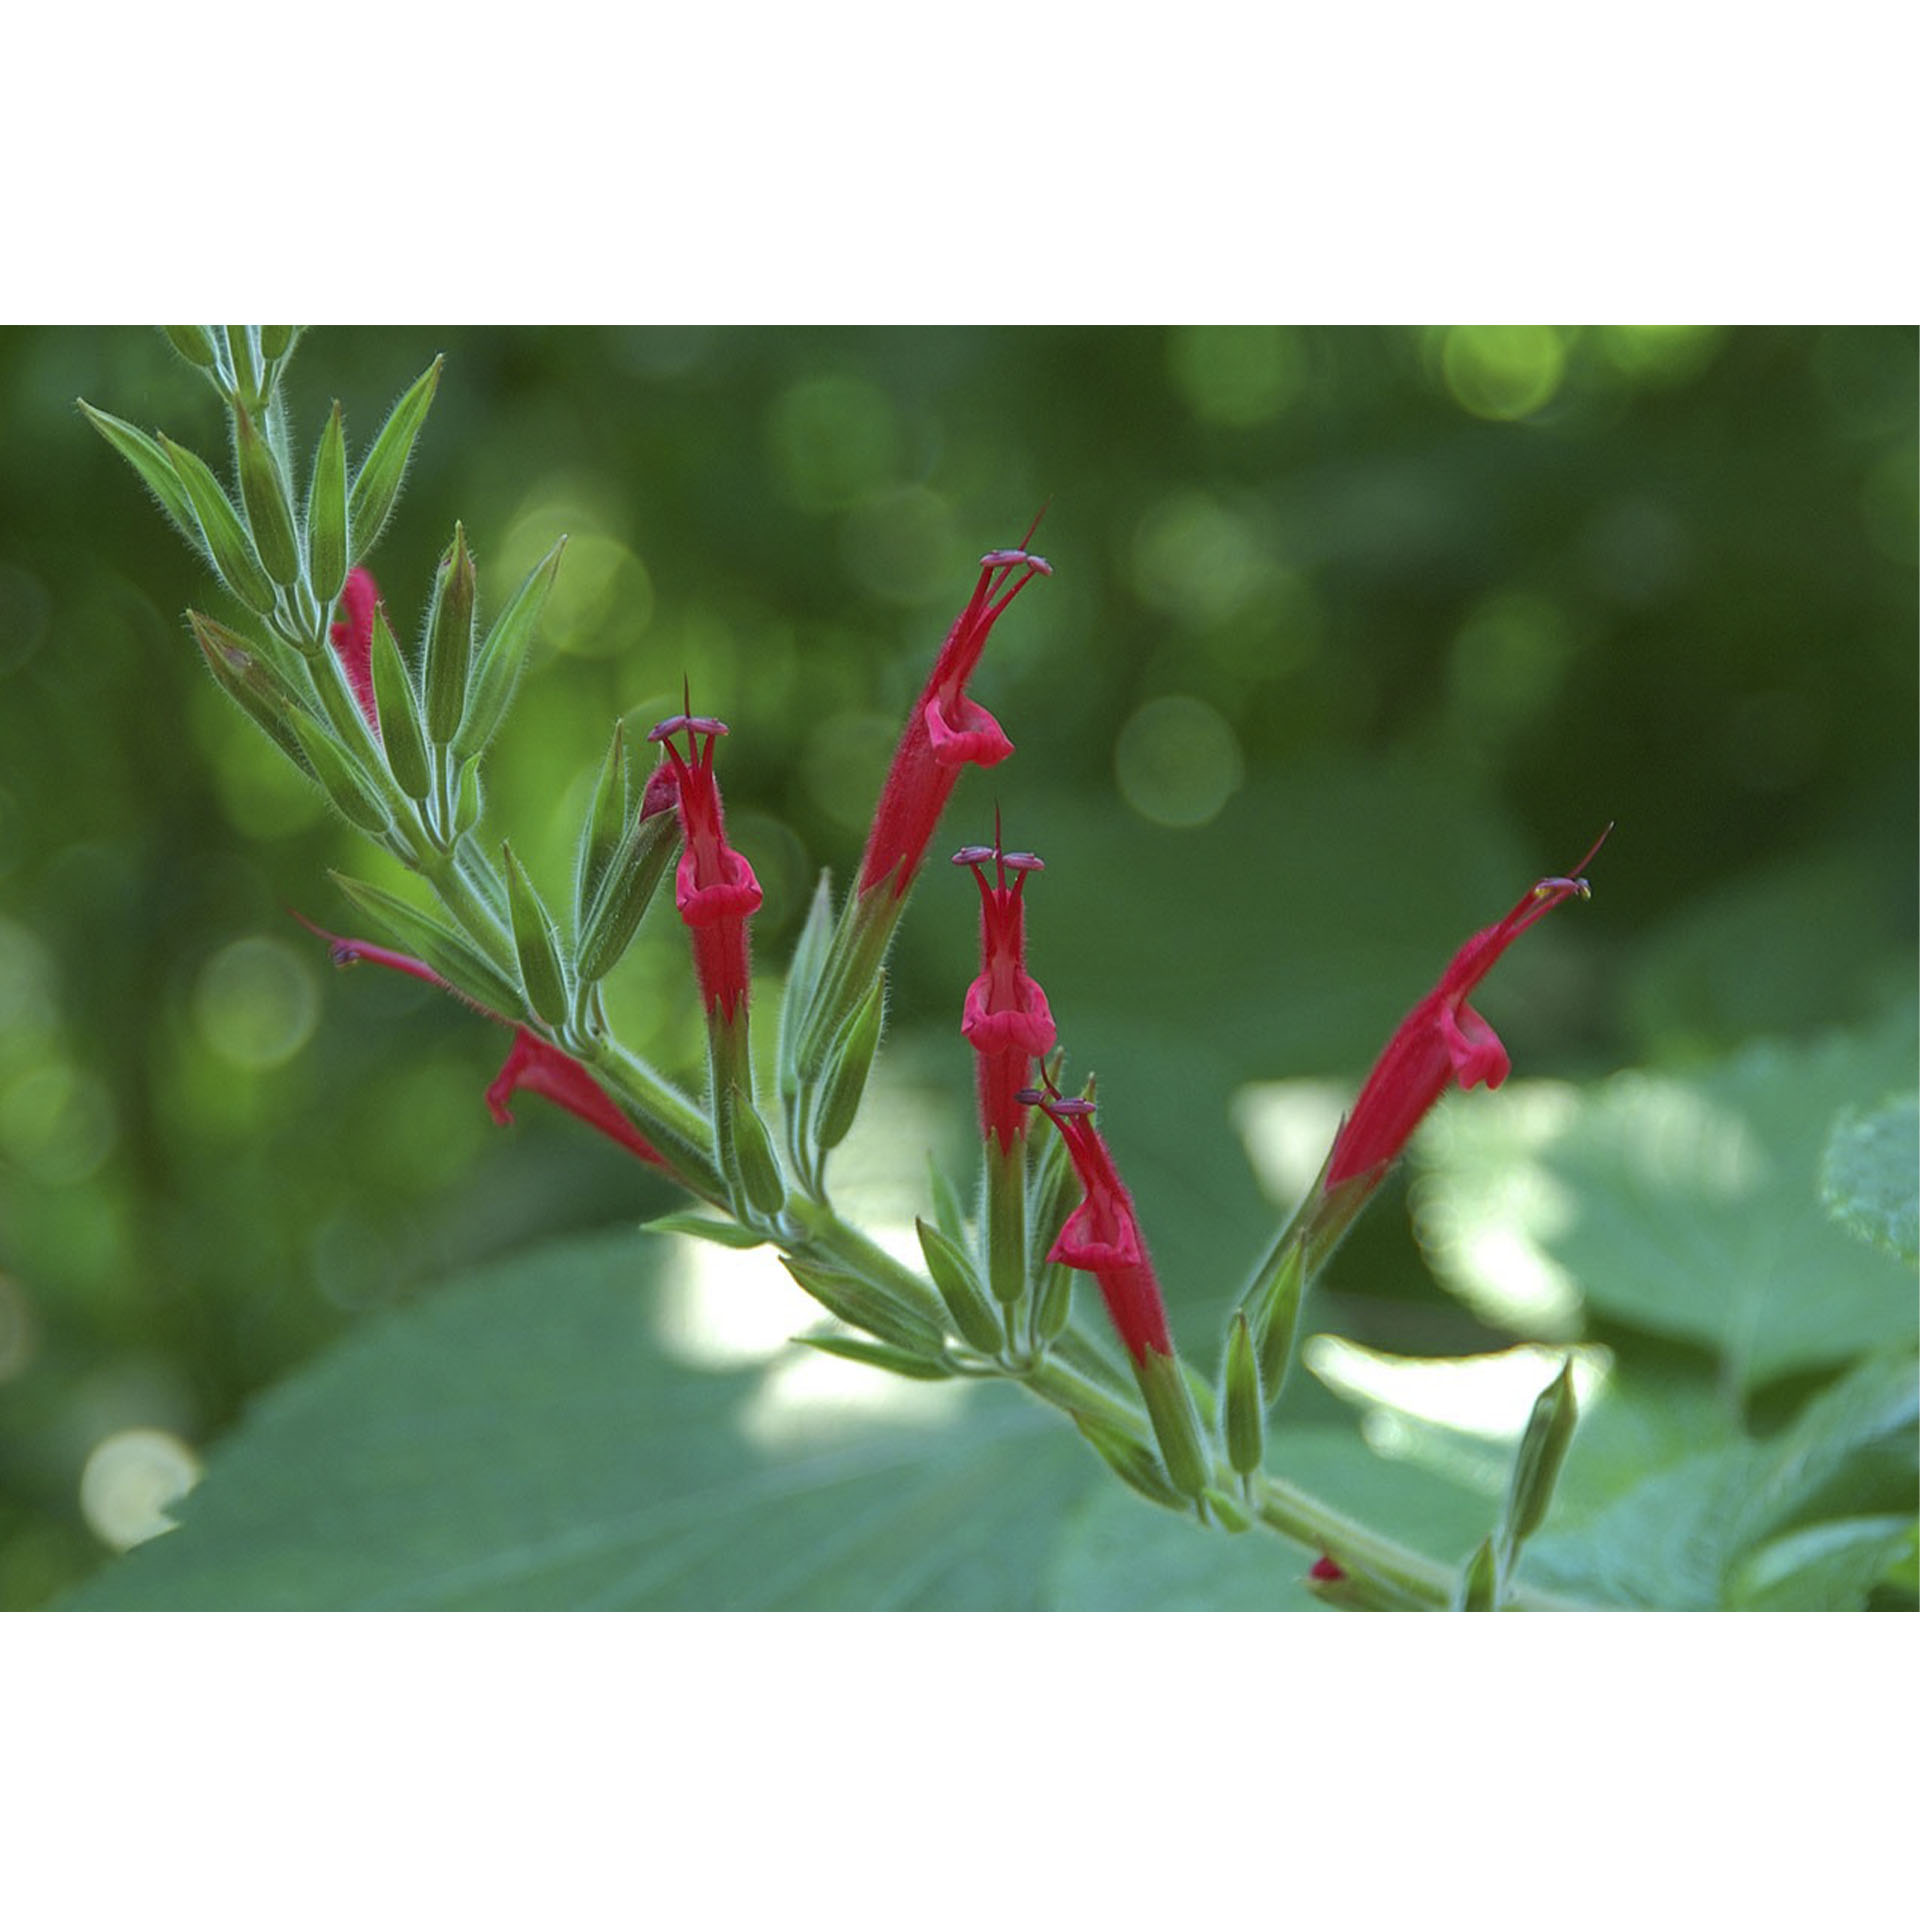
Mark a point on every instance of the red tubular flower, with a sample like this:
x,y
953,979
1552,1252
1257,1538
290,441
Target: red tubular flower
x,y
1441,1041
1102,1237
714,887
944,732
531,1062
1006,1016
352,640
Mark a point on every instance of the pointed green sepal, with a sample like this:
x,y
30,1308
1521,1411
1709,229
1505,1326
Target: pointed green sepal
x,y
861,1304
148,459
469,801
1176,1424
627,890
1537,1462
263,490
401,735
960,1288
345,785
1480,1583
803,979
706,1226
496,669
913,1366
377,485
1052,1304
760,1177
541,974
949,1213
221,533
604,828
255,685
843,1078
327,512
1246,1410
1135,1464
1275,1316
450,640
448,952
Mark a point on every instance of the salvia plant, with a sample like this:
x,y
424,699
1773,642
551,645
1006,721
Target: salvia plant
x,y
398,738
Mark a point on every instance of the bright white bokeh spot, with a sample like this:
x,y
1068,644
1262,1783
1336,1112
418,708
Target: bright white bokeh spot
x,y
720,1308
1287,1128
1485,1395
1177,762
256,1003
130,1480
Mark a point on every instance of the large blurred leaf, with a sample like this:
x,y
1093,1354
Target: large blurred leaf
x,y
522,1440
1798,1520
1870,1176
1685,1204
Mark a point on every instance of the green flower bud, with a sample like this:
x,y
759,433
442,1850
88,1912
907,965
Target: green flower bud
x,y
1183,1446
346,786
960,1288
860,1303
327,512
377,485
638,866
1480,1584
541,974
1246,1410
844,1073
450,640
400,731
277,342
259,689
194,345
1536,1465
264,490
758,1165
221,533
467,802
496,670
1006,1221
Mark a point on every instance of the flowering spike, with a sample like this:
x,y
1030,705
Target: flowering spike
x,y
1006,1019
1440,1042
945,731
1102,1236
714,887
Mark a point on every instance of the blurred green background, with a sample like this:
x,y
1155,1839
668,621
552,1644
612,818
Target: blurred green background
x,y
1352,634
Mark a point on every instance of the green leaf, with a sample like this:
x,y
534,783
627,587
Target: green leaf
x,y
604,829
426,937
496,671
1684,1204
1828,1568
150,462
1870,1176
377,485
871,1354
803,977
522,1439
